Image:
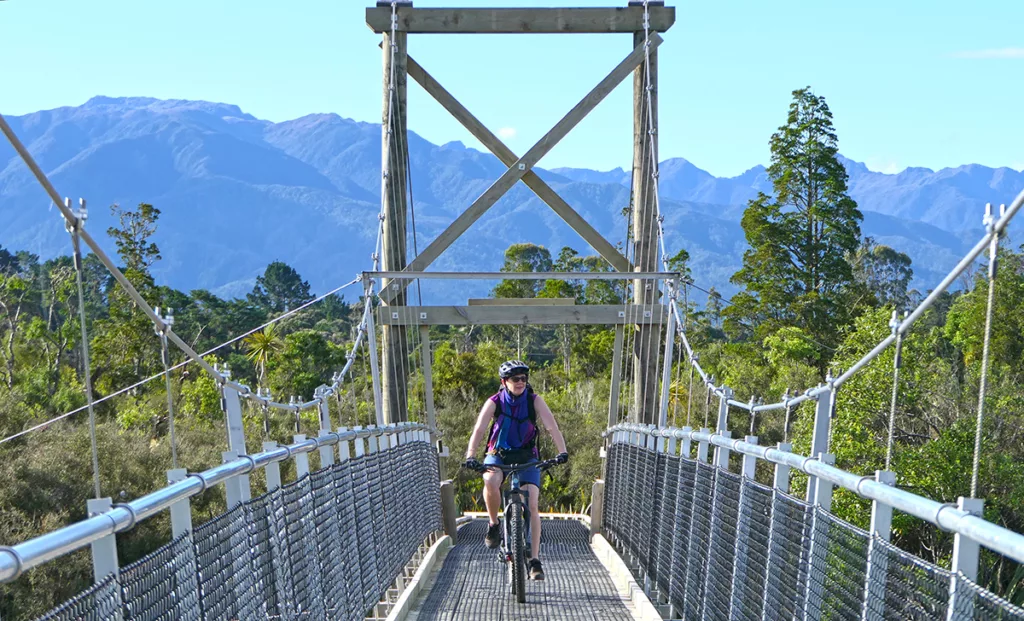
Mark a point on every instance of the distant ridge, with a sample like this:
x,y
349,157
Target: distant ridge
x,y
237,192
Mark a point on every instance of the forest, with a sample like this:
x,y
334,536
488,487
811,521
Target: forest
x,y
814,296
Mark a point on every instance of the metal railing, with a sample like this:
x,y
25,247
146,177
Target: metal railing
x,y
326,546
712,544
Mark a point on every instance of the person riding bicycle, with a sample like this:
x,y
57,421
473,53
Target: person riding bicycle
x,y
511,417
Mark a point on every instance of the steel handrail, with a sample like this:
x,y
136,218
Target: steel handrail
x,y
15,560
944,515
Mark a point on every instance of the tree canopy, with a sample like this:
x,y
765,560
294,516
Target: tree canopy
x,y
796,270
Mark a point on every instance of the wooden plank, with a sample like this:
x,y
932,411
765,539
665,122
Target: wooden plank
x,y
514,173
520,20
589,314
522,301
507,157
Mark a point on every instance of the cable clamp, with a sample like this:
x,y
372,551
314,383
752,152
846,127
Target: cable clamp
x,y
198,475
943,507
252,462
19,564
131,512
803,465
860,482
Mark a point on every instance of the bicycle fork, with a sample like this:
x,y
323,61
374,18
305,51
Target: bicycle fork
x,y
522,498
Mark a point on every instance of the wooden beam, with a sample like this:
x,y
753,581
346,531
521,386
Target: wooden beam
x,y
508,158
588,314
519,20
514,173
522,301
394,152
647,341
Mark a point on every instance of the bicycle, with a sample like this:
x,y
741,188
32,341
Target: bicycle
x,y
513,549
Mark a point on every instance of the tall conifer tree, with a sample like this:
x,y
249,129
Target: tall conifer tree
x,y
796,272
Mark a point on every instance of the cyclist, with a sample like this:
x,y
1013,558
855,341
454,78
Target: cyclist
x,y
509,417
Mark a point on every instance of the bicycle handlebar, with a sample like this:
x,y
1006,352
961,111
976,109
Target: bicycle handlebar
x,y
541,465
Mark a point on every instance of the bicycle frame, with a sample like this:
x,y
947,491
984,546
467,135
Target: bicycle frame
x,y
514,494
515,553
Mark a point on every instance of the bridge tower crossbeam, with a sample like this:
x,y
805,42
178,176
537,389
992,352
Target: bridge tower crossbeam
x,y
395,21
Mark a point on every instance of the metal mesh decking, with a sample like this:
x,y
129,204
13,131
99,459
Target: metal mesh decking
x,y
473,583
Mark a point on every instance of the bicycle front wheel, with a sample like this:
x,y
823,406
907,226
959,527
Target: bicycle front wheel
x,y
518,550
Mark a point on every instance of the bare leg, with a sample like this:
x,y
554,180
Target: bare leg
x,y
534,520
492,493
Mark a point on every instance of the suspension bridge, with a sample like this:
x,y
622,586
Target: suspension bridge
x,y
685,523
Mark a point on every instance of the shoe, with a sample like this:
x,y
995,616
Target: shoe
x,y
493,538
536,573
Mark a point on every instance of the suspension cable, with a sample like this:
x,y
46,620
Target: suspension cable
x,y
897,359
789,411
74,227
265,399
689,394
679,378
707,399
165,359
992,260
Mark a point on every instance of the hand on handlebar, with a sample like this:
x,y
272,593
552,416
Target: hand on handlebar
x,y
473,464
562,458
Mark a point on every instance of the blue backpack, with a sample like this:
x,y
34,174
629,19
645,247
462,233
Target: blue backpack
x,y
505,428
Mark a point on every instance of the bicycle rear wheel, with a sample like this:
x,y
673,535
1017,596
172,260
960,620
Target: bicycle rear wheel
x,y
518,553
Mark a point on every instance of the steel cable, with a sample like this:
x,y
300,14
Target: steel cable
x,y
983,381
75,228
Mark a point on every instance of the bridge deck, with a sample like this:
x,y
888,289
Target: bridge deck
x,y
471,583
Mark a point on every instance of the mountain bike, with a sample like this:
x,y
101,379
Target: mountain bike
x,y
516,501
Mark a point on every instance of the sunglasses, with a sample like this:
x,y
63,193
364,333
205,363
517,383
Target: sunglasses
x,y
518,379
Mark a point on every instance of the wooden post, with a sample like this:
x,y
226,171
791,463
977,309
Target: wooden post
x,y
645,235
597,508
449,512
395,148
428,381
613,398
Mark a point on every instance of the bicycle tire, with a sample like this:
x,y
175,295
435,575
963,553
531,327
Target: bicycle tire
x,y
518,554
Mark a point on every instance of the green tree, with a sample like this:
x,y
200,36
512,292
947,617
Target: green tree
x,y
8,261
124,345
680,262
261,347
207,320
15,288
884,273
133,237
796,270
305,361
523,258
54,329
280,288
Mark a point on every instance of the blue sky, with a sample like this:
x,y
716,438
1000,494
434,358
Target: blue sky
x,y
910,83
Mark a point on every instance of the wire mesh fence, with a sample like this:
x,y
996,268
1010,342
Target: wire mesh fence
x,y
710,544
97,603
902,586
326,546
163,585
750,569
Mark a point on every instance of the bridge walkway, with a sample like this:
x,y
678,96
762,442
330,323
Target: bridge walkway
x,y
471,583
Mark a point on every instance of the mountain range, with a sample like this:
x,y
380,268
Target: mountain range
x,y
236,192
